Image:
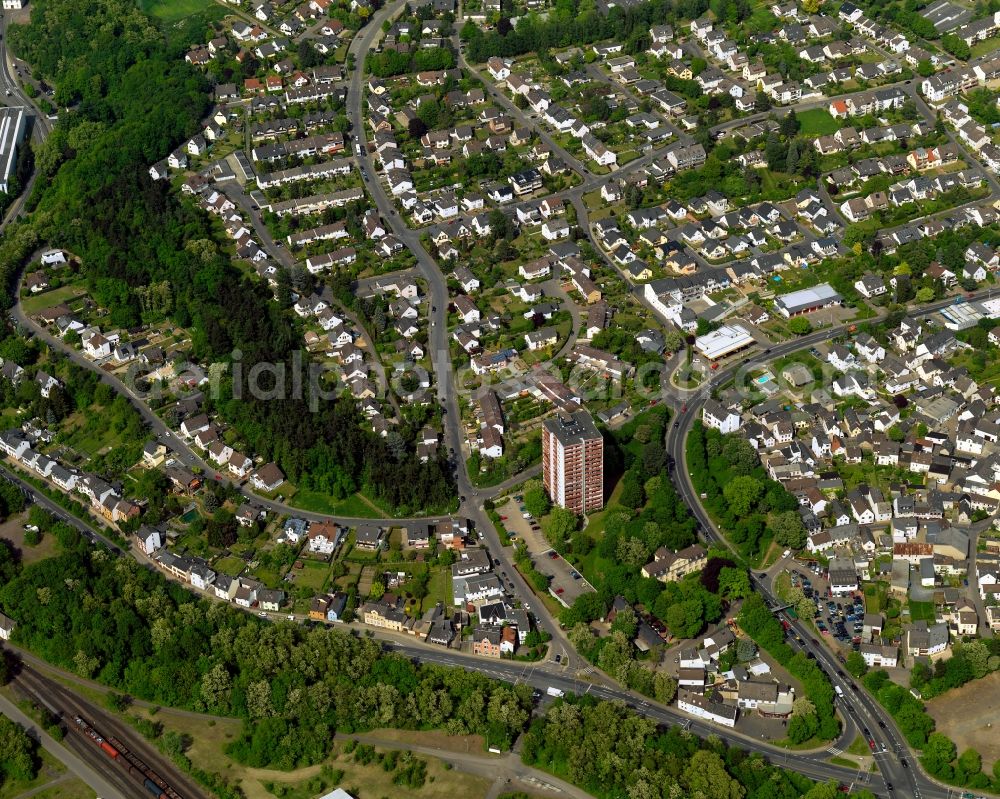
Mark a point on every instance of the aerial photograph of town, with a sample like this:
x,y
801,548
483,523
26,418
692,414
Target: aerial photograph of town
x,y
499,399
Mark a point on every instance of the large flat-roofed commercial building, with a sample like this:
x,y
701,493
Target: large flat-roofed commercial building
x,y
12,124
573,462
807,300
727,340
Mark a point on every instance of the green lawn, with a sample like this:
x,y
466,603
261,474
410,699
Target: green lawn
x,y
921,611
49,769
438,589
313,575
875,596
318,502
984,47
230,566
859,747
817,122
34,303
175,10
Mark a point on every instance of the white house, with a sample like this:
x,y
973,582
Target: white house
x,y
879,655
7,624
724,420
698,705
555,229
97,346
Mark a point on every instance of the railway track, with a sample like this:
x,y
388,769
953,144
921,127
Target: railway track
x,y
140,770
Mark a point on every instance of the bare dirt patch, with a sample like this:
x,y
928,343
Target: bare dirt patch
x,y
13,531
966,716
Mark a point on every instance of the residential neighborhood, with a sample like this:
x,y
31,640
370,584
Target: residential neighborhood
x,y
439,392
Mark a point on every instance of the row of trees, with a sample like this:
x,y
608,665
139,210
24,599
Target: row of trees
x,y
388,63
610,752
819,721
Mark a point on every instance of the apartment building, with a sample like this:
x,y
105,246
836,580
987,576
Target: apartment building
x,y
573,462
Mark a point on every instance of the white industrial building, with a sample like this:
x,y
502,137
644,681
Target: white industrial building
x,y
12,125
727,340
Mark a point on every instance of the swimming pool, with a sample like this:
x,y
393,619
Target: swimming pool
x,y
763,379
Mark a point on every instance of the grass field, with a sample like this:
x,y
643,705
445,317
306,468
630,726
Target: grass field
x,y
984,47
34,303
354,505
66,789
175,10
312,575
438,589
13,530
859,747
921,611
817,122
230,566
210,740
875,597
49,770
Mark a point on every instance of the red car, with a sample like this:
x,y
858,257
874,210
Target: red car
x,y
560,591
553,555
503,518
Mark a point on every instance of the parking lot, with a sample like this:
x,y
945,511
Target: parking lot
x,y
512,517
836,618
567,583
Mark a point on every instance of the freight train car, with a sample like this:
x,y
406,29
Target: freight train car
x,y
153,783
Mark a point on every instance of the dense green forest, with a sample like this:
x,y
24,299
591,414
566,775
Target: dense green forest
x,y
133,99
